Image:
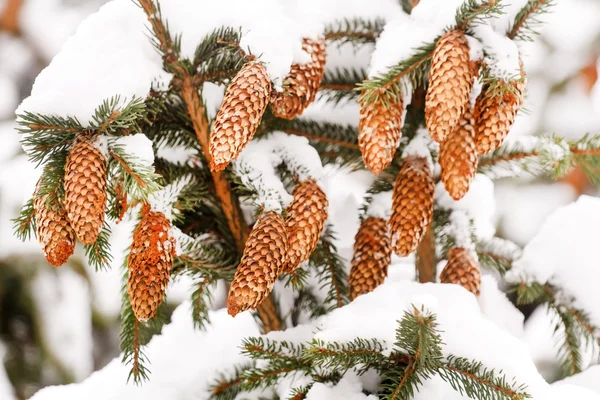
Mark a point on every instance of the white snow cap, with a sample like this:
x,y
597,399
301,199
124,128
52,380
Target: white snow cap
x,y
257,163
138,146
380,206
564,254
163,200
421,146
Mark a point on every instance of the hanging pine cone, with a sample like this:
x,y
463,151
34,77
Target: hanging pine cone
x,y
150,263
412,205
450,83
379,130
372,256
53,230
85,190
262,262
240,114
302,82
495,114
458,158
305,219
462,270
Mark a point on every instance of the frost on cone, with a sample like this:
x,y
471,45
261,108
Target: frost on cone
x,y
412,205
150,263
85,190
379,130
462,270
372,256
495,114
240,114
305,219
302,82
262,262
450,83
458,158
54,232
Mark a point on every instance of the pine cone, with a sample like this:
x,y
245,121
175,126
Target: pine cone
x,y
262,262
495,114
458,158
240,114
302,82
450,83
379,130
462,270
85,190
372,256
304,221
412,205
150,263
54,232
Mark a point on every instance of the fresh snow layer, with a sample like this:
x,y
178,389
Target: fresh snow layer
x,y
138,146
563,254
185,361
109,55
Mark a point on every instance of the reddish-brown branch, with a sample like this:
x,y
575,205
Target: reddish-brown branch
x,y
425,262
111,118
136,348
467,21
322,139
508,157
508,393
585,152
517,27
350,34
9,20
44,127
226,385
407,71
139,180
338,86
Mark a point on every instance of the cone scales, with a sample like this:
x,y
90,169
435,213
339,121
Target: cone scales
x,y
412,205
379,130
462,270
305,219
262,262
450,83
458,158
240,114
150,263
495,114
85,190
302,82
54,232
372,256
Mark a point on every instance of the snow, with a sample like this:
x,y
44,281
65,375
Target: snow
x,y
185,361
498,308
421,146
349,387
502,54
6,390
479,203
590,379
256,167
137,146
9,98
109,55
380,205
563,254
164,199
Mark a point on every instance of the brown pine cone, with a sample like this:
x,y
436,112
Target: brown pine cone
x,y
240,114
458,158
262,262
85,190
372,256
53,230
450,83
150,263
462,270
305,219
495,115
412,205
302,82
379,130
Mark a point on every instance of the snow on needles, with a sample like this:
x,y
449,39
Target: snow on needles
x,y
256,167
163,200
564,255
429,19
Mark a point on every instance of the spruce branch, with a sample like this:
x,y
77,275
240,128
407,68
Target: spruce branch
x,y
201,298
331,271
98,254
227,388
111,119
414,69
474,380
355,30
359,354
498,254
527,20
322,132
138,179
24,224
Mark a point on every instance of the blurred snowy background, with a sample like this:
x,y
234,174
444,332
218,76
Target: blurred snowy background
x,y
59,325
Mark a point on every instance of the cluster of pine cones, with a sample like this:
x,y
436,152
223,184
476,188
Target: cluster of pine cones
x,y
463,133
